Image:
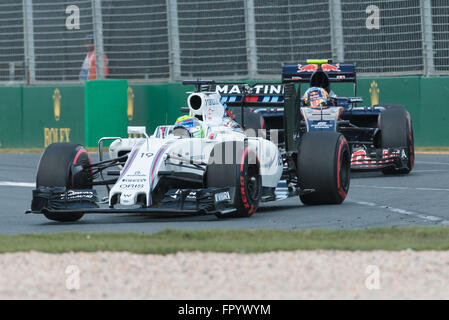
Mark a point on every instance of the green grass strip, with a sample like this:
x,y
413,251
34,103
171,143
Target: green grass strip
x,y
241,241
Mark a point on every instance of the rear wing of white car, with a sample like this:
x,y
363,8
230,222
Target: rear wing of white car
x,y
235,94
258,95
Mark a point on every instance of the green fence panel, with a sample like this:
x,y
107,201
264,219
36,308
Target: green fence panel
x,y
52,114
434,112
400,90
105,110
176,98
138,100
150,106
155,104
11,117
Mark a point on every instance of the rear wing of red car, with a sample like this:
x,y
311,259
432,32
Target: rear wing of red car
x,y
320,73
302,73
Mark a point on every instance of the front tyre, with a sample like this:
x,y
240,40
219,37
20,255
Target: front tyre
x,y
235,164
56,170
323,164
396,129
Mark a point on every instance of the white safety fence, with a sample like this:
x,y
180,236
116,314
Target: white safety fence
x,y
212,38
291,31
440,22
169,40
394,46
135,38
54,52
12,53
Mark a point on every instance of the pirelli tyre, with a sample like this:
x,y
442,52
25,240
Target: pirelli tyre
x,y
396,132
323,164
55,170
235,164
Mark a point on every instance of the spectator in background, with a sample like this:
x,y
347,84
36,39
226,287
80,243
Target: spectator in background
x,y
88,70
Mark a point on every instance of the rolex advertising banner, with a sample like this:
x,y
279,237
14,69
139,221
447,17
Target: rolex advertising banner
x,y
52,114
34,117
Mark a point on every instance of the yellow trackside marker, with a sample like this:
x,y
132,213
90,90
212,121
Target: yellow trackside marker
x,y
57,104
318,61
374,90
130,110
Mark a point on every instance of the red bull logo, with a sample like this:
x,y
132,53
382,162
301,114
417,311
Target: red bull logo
x,y
330,67
307,68
314,67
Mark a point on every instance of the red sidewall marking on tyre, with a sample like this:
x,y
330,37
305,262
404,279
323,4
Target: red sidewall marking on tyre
x,y
339,187
75,160
80,152
242,184
412,160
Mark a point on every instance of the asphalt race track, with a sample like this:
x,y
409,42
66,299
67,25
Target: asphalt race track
x,y
421,198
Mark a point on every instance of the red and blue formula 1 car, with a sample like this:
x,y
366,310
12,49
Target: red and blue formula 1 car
x,y
380,136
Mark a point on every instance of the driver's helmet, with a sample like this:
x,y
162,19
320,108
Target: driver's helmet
x,y
192,124
315,97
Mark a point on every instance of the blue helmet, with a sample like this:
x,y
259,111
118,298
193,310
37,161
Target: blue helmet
x,y
315,97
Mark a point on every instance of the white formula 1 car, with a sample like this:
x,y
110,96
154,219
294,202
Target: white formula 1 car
x,y
200,165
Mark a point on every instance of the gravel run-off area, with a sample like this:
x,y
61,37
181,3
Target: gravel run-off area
x,y
195,275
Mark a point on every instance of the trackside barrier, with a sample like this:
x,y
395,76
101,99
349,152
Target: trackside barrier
x,y
11,117
105,110
156,104
426,99
35,116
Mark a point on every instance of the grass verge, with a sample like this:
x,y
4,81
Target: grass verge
x,y
241,241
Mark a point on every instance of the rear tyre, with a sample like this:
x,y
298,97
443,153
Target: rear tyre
x,y
240,170
55,170
397,133
324,165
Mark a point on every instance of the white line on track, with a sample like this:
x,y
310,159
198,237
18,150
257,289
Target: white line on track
x,y
423,216
427,162
17,184
401,188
